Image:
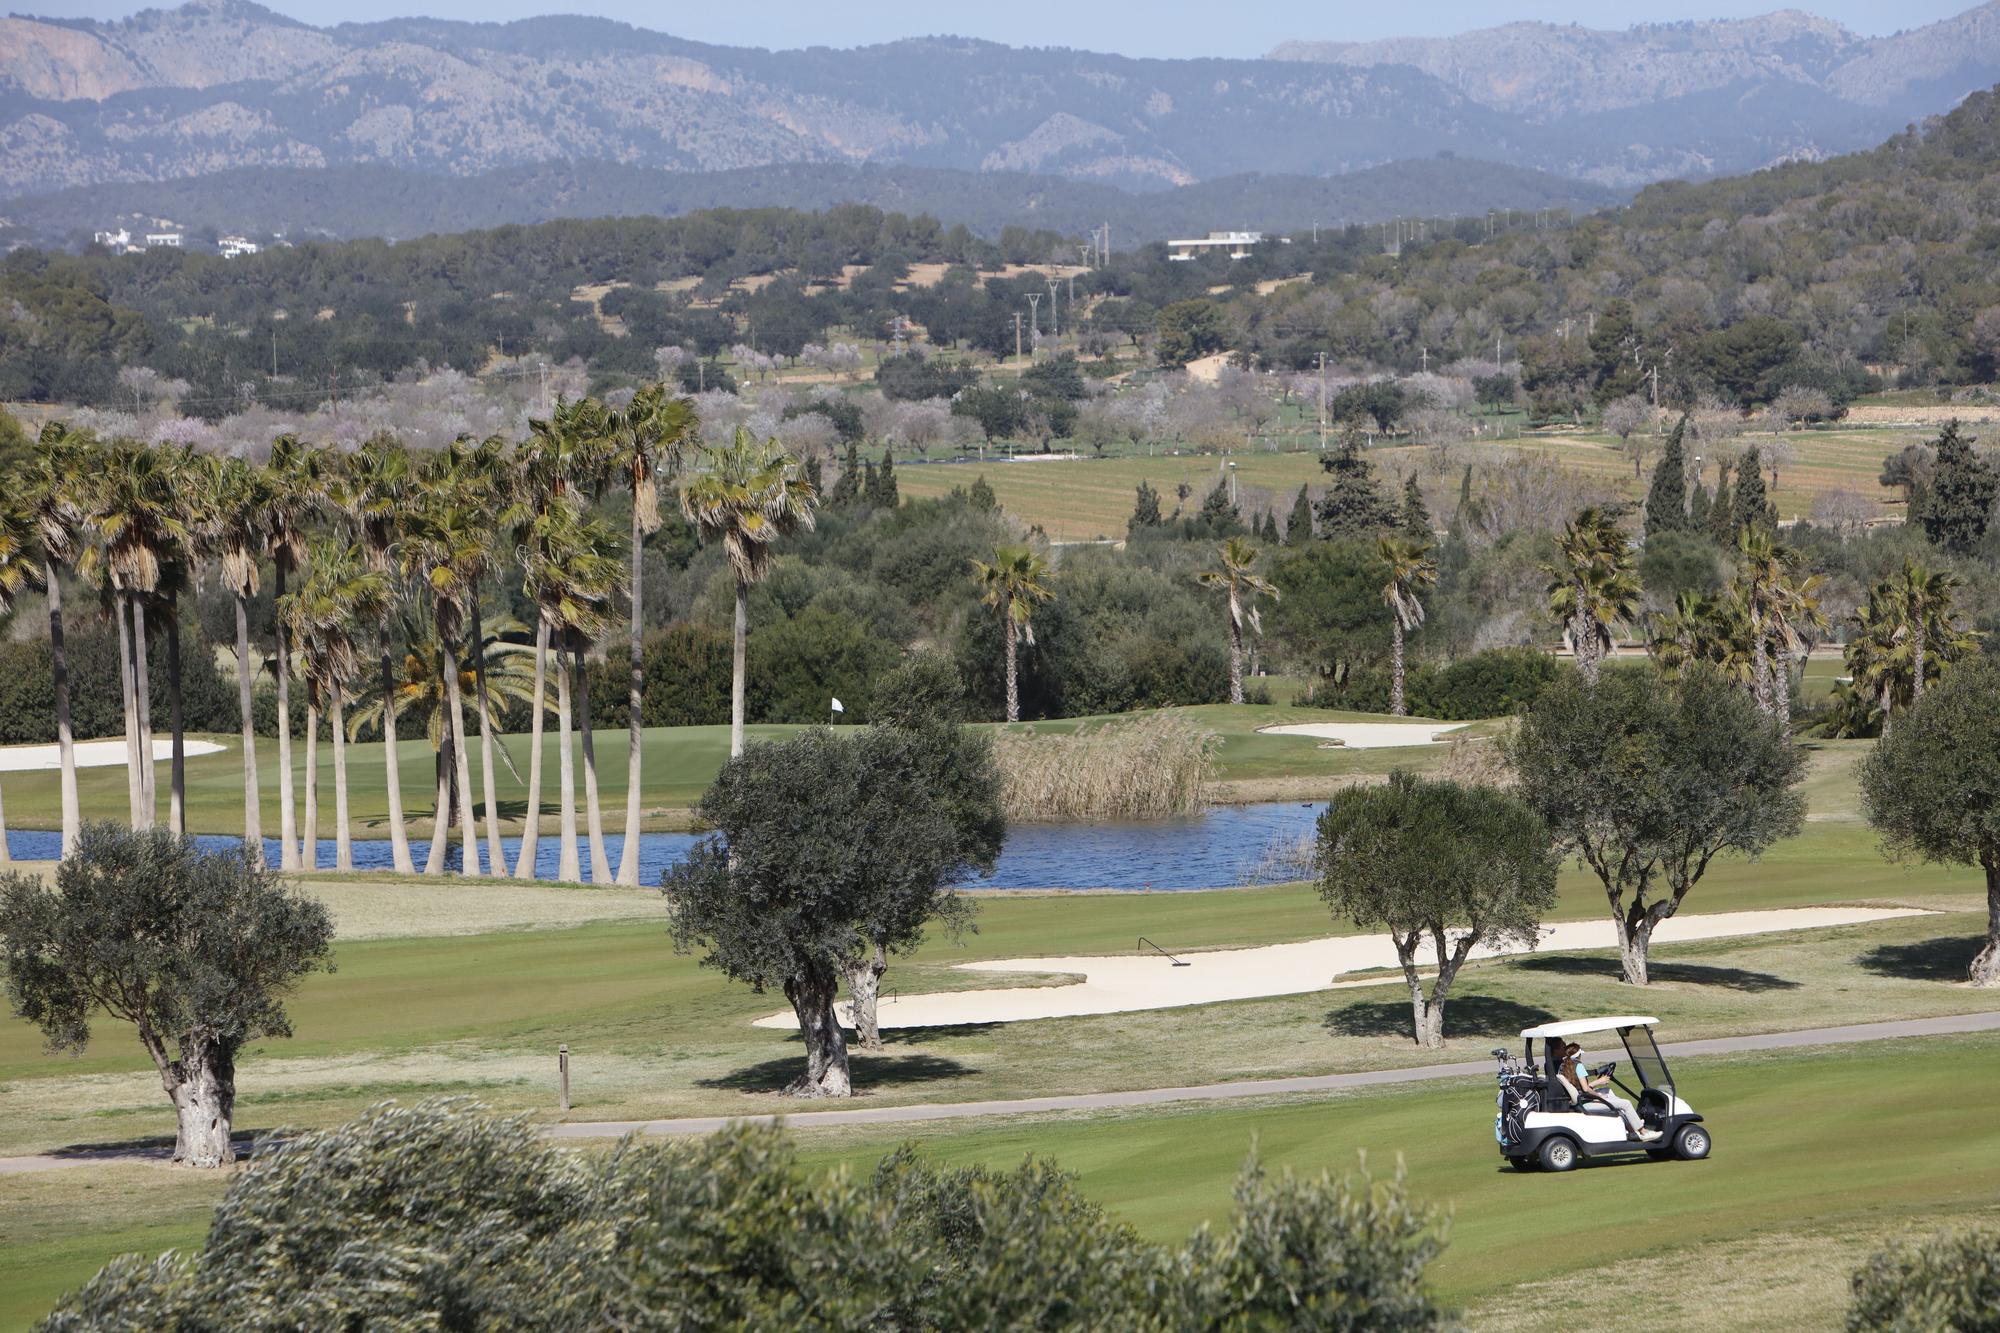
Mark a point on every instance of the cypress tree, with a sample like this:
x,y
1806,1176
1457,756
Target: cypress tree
x,y
1748,506
871,489
1216,510
1666,498
847,490
981,495
1416,515
1957,505
1145,511
1299,524
1697,515
1353,504
885,482
1270,529
1721,513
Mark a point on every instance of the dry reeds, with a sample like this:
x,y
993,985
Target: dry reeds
x,y
1153,768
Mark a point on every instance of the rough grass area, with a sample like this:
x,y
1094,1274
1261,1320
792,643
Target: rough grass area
x,y
1152,767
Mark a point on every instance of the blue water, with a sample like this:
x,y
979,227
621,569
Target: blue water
x,y
1221,847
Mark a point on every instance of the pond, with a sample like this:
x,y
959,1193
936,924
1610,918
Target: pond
x,y
1225,845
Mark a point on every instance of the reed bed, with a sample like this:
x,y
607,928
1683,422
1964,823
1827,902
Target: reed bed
x,y
1153,768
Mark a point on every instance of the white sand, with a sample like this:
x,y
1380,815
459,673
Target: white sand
x,y
1132,982
90,754
1369,735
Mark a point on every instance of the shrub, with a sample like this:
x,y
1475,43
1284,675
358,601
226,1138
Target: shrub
x,y
1148,769
27,685
1494,683
1949,1282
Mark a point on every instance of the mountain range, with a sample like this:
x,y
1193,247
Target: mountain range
x,y
217,85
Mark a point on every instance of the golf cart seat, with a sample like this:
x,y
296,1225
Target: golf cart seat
x,y
1584,1103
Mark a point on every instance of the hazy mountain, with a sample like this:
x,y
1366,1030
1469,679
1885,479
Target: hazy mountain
x,y
351,201
219,84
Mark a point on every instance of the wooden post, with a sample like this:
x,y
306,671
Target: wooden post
x,y
562,1067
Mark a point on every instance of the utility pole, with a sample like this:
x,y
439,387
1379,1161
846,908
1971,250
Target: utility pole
x,y
1017,333
1106,253
1034,323
1425,353
1315,231
1322,402
274,354
1055,324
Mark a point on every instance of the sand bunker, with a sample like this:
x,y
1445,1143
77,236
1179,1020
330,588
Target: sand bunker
x,y
1132,982
1370,735
90,754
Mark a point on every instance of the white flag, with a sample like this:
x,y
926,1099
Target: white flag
x,y
838,707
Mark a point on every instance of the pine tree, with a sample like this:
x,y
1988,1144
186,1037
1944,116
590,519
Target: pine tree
x,y
887,481
1666,498
1145,511
1957,505
1748,507
1416,515
1353,504
1697,515
981,495
1299,525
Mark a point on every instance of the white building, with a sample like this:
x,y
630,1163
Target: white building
x,y
1238,244
169,239
117,240
232,246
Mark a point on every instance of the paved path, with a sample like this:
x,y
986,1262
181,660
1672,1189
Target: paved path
x,y
1107,1101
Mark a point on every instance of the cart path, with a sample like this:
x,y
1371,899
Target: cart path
x,y
1947,1025
1131,982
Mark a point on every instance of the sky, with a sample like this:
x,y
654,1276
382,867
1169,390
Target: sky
x,y
1235,28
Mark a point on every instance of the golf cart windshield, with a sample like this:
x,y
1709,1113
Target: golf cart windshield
x,y
1646,1060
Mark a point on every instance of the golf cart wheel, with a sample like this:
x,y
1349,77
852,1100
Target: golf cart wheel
x,y
1692,1143
1559,1154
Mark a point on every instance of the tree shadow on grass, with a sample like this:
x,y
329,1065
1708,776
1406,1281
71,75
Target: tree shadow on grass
x,y
868,1072
1693,974
1946,958
1464,1016
923,1036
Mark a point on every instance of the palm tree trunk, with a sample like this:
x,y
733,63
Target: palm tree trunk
x,y
72,809
524,862
628,856
399,837
737,667
253,815
131,705
440,807
1013,677
600,865
309,834
142,691
496,856
1917,647
288,815
468,828
343,843
1235,651
177,782
1760,665
1396,706
567,868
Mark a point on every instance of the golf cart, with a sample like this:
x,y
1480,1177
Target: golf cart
x,y
1547,1121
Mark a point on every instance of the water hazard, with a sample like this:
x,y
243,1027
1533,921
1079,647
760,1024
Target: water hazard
x,y
1224,846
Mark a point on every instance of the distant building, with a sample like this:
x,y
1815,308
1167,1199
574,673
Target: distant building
x,y
168,239
117,240
232,246
1238,244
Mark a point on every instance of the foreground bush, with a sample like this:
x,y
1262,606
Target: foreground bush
x,y
439,1216
1948,1284
1148,769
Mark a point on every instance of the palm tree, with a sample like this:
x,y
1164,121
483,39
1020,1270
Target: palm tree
x,y
1013,585
1765,566
18,571
1593,586
1240,579
372,490
445,545
49,495
1925,596
1882,653
748,494
485,477
296,476
652,435
1682,636
242,500
137,522
341,590
1411,571
196,499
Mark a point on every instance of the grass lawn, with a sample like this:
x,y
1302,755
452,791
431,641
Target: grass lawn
x,y
1773,1223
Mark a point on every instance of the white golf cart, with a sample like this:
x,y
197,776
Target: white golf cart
x,y
1545,1120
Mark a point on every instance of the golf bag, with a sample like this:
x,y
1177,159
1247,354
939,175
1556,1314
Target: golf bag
x,y
1519,1094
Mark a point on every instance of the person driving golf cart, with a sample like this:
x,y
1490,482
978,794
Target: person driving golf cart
x,y
1554,1110
1583,1085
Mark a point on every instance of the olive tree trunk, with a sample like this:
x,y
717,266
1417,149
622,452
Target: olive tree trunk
x,y
864,991
72,809
812,1000
531,828
202,1086
1427,1011
1986,965
253,813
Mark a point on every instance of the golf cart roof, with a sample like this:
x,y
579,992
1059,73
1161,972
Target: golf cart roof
x,y
1578,1026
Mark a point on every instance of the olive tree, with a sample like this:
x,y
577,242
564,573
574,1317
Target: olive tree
x,y
196,950
827,850
1931,788
1648,780
438,1216
1441,866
